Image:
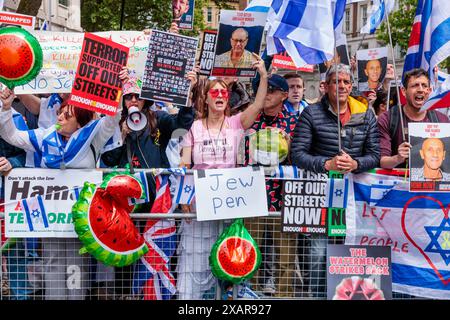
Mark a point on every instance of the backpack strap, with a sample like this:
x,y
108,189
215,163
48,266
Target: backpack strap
x,y
394,118
94,153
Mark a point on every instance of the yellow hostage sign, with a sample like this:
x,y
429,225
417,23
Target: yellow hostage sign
x,y
38,202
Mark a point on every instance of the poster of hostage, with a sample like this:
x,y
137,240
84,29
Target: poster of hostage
x,y
169,58
304,207
429,163
359,272
240,34
97,86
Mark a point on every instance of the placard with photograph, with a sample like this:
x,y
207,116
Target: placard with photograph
x,y
429,166
240,35
170,57
371,65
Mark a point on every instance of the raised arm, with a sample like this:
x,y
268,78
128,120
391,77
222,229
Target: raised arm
x,y
250,114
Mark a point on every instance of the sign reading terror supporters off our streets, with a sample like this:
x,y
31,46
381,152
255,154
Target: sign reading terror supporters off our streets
x,y
97,86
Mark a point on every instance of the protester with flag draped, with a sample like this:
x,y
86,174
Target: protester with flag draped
x,y
394,146
211,143
315,147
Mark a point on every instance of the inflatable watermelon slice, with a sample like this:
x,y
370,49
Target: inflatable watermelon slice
x,y
268,146
20,56
102,221
235,256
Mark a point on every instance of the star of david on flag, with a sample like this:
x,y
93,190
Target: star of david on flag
x,y
440,240
35,212
337,193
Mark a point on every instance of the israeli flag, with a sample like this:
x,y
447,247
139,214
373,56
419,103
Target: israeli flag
x,y
184,189
285,172
141,176
35,212
378,11
337,193
259,6
379,190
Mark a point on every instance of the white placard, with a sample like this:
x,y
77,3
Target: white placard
x,y
28,184
230,193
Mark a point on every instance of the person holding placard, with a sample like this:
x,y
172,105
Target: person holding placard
x,y
212,142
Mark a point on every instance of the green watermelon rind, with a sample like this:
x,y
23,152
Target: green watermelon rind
x,y
218,271
112,175
92,245
37,53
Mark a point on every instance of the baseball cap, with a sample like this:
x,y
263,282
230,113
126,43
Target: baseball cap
x,y
275,81
133,85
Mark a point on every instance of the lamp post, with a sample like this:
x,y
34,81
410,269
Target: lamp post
x,y
122,11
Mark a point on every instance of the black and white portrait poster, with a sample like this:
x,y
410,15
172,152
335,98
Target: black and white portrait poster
x,y
170,57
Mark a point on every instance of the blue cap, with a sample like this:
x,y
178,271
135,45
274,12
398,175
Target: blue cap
x,y
278,82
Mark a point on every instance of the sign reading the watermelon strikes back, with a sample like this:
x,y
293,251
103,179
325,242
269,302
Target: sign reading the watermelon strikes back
x,y
230,193
97,86
50,214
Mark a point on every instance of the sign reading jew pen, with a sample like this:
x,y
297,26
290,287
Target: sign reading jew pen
x,y
97,86
230,193
304,207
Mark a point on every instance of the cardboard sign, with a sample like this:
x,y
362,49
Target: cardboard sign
x,y
186,9
97,86
57,189
230,193
429,163
207,52
304,207
359,273
26,22
240,34
170,57
62,52
372,65
284,62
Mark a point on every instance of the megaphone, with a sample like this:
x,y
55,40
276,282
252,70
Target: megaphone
x,y
136,120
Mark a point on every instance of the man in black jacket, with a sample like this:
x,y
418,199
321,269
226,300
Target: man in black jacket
x,y
315,147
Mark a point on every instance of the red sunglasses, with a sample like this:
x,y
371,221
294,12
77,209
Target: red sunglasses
x,y
215,93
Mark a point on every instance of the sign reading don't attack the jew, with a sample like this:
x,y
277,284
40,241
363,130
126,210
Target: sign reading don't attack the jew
x,y
230,193
97,86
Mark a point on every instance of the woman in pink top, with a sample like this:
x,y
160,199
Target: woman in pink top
x,y
211,143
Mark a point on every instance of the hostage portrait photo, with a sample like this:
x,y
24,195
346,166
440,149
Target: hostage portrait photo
x,y
429,162
371,65
236,42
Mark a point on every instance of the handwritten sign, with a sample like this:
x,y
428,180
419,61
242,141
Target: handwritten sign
x,y
304,208
97,86
230,193
61,53
57,189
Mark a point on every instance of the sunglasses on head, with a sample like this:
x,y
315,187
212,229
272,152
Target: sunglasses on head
x,y
215,93
130,96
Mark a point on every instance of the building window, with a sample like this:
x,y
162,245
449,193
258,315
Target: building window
x,y
64,2
364,15
347,21
209,15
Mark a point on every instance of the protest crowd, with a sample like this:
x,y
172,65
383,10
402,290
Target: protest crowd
x,y
173,125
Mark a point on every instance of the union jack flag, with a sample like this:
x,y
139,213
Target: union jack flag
x,y
152,276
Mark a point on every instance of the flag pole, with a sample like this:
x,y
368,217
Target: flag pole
x,y
395,79
337,100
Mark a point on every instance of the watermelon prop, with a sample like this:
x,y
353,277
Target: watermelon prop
x,y
268,146
102,221
235,256
20,56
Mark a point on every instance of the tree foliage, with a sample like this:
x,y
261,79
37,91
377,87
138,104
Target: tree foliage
x,y
29,7
105,15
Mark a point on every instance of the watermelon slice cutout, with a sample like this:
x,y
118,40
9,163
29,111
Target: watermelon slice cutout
x,y
102,221
235,256
20,56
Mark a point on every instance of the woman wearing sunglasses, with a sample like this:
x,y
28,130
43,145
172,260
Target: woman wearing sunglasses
x,y
212,142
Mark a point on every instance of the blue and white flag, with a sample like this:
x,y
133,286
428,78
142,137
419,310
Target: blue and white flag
x,y
439,98
429,43
36,216
285,172
379,10
184,189
304,28
44,26
415,225
142,177
337,193
259,6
